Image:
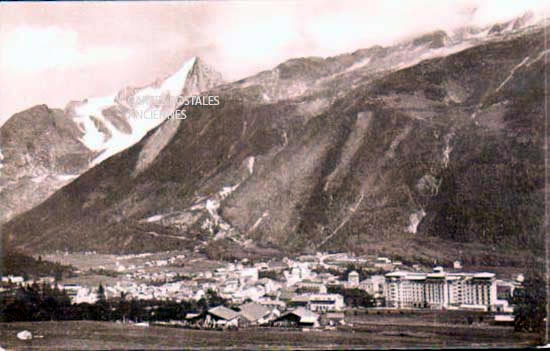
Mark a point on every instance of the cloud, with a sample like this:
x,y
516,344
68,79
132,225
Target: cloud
x,y
245,37
55,52
491,11
29,49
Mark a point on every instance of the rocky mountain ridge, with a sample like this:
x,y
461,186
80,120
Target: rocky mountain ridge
x,y
45,148
429,147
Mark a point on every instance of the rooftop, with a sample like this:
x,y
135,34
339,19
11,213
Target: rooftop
x,y
223,312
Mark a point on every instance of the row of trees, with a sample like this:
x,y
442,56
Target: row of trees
x,y
43,303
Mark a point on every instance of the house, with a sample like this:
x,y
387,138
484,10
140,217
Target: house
x,y
221,316
312,286
273,304
299,301
269,285
287,294
255,314
326,302
299,317
374,285
353,279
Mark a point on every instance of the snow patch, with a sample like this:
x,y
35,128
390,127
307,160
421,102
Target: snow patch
x,y
39,179
197,207
395,143
512,73
154,218
250,164
227,190
446,155
258,221
212,206
433,53
145,106
544,52
175,83
93,138
358,64
285,139
447,150
414,220
66,177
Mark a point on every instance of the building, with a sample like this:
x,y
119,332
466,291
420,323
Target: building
x,y
221,316
405,290
441,290
257,314
272,303
299,317
374,285
353,279
326,302
12,279
318,302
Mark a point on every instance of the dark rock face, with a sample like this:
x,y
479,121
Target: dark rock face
x,y
359,152
42,149
41,153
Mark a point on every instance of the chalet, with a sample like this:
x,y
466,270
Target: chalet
x,y
256,314
216,317
297,318
222,316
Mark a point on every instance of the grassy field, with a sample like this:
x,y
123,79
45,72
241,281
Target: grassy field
x,y
84,335
423,317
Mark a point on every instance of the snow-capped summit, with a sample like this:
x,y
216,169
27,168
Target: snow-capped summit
x,y
112,123
45,148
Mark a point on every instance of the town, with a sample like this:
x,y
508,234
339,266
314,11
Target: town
x,y
309,291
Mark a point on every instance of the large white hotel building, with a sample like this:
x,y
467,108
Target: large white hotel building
x,y
441,289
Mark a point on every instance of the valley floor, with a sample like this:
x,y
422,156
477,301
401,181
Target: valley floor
x,y
85,335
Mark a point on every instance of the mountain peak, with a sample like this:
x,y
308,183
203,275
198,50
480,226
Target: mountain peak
x,y
44,148
201,77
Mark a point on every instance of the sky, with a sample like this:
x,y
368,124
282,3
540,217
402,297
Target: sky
x,y
55,52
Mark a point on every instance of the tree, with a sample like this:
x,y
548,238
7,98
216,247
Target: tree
x,y
58,274
530,303
354,297
213,299
100,293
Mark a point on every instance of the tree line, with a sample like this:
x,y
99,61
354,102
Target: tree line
x,y
46,303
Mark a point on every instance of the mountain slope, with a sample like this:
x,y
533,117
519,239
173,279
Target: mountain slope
x,y
329,154
43,149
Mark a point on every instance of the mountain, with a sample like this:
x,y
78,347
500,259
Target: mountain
x,y
42,149
432,148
